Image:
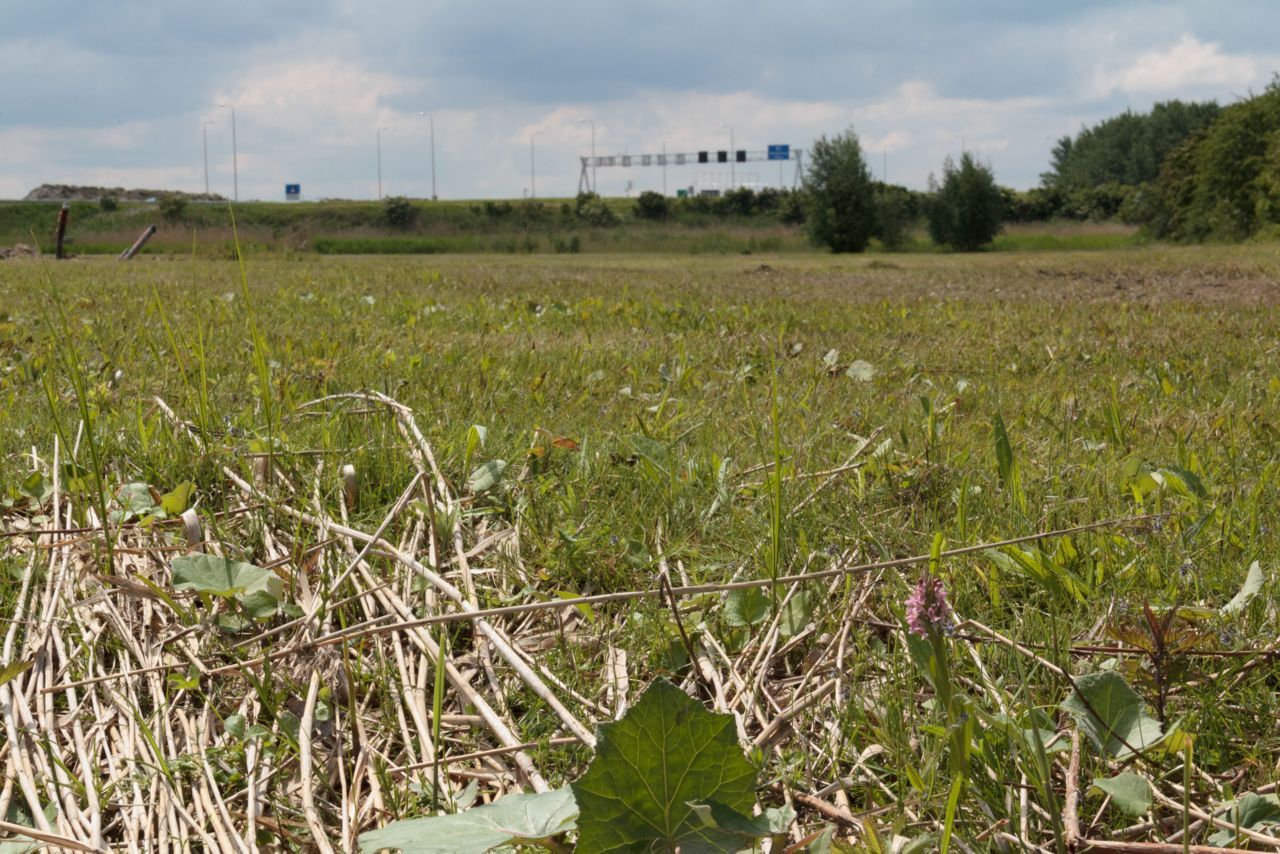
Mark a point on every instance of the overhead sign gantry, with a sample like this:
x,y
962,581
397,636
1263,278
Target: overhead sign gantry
x,y
694,158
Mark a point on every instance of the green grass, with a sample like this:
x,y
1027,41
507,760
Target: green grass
x,y
644,400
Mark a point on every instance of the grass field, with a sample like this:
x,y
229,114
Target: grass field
x,y
600,424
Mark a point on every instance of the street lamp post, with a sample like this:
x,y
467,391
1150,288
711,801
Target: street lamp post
x,y
378,135
533,181
732,174
592,122
235,156
432,119
664,165
204,135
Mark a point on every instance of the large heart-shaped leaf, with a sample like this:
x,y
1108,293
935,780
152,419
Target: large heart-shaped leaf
x,y
1112,715
486,477
1251,812
666,753
257,589
749,829
506,821
1130,792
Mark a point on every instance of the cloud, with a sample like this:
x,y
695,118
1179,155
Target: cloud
x,y
1189,65
312,80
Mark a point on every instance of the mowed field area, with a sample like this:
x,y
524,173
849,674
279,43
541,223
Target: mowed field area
x,y
522,430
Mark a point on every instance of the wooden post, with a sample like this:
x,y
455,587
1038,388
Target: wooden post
x,y
138,244
62,230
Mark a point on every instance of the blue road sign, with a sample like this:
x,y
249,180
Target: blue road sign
x,y
292,192
780,152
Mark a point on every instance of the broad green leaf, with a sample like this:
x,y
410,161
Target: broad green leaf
x,y
921,651
860,371
178,500
14,670
135,499
235,724
666,753
1253,582
719,817
506,821
795,615
1112,715
257,589
746,607
1251,812
37,487
1130,792
486,477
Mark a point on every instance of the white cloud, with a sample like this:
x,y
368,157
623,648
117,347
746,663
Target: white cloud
x,y
1187,65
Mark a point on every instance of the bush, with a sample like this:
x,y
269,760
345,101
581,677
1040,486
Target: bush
x,y
1222,183
967,210
894,215
108,203
399,211
571,246
593,210
652,205
841,211
172,207
791,210
738,202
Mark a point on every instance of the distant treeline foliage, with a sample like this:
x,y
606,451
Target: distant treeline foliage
x,y
1127,149
1222,183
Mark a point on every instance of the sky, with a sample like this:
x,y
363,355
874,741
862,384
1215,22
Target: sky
x,y
125,93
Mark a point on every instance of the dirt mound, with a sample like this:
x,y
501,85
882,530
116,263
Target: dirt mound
x,y
73,193
18,250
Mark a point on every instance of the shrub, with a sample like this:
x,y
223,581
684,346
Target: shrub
x,y
893,215
791,210
1221,183
841,211
172,207
652,205
399,211
738,202
108,203
967,210
592,210
570,246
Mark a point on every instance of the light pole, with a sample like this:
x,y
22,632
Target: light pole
x,y
378,135
732,156
432,119
235,156
664,165
204,135
533,181
592,122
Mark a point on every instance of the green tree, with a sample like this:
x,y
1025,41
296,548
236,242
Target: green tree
x,y
895,214
399,211
966,211
1221,183
172,207
594,210
1127,149
842,205
651,205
